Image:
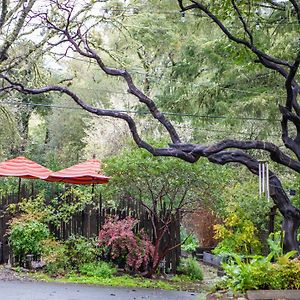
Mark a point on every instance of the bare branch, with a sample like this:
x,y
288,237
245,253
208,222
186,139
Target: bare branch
x,y
261,55
207,150
243,21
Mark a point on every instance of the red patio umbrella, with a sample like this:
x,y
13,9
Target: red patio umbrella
x,y
83,173
23,167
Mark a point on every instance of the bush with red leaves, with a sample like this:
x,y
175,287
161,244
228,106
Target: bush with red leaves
x,y
118,241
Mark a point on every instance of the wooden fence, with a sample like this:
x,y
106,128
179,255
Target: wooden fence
x,y
89,221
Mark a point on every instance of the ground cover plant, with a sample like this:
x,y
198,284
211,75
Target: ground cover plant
x,y
191,268
122,281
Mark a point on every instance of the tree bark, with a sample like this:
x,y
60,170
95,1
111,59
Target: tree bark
x,y
290,227
291,215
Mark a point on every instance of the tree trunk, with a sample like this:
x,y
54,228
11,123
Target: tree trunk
x,y
272,215
290,227
291,215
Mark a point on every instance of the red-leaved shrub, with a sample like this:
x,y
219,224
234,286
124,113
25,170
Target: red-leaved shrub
x,y
119,241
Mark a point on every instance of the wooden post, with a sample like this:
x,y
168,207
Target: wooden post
x,y
272,215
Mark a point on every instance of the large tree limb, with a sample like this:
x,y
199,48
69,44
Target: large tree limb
x,y
292,91
132,88
102,112
290,83
207,150
276,190
189,152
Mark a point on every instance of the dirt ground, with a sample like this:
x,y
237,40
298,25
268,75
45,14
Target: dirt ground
x,y
7,274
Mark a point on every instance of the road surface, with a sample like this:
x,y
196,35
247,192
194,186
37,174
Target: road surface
x,y
18,290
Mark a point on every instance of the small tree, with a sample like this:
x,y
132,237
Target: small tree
x,y
164,187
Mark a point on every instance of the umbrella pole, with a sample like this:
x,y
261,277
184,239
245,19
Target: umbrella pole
x,y
93,189
32,189
89,212
19,190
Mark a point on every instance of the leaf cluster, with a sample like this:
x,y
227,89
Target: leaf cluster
x,y
259,272
26,236
237,235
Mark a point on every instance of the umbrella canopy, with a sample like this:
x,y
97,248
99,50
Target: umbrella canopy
x,y
24,168
83,173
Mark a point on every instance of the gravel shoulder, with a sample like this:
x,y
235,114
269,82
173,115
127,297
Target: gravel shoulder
x,y
8,274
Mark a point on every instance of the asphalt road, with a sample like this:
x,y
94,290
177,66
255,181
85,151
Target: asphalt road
x,y
17,290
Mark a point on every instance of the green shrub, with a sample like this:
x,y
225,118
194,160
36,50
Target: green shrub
x,y
237,235
190,241
80,250
54,255
275,243
26,235
285,275
190,267
243,275
100,269
258,272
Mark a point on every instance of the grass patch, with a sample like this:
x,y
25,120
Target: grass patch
x,y
182,278
123,281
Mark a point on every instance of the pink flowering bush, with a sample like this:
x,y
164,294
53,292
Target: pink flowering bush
x,y
119,242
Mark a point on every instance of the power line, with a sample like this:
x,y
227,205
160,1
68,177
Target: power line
x,y
216,117
223,131
174,80
134,10
195,85
140,113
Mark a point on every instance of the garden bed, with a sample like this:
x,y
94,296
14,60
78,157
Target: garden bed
x,y
175,283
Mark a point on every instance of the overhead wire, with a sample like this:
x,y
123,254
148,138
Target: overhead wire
x,y
172,80
15,103
135,10
145,113
138,112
